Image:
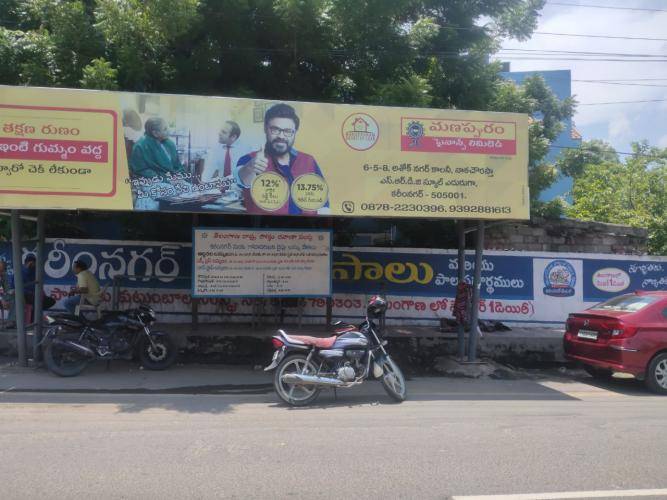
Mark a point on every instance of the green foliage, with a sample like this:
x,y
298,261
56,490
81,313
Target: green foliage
x,y
572,162
534,97
99,75
74,41
402,52
633,193
140,37
29,58
413,89
425,53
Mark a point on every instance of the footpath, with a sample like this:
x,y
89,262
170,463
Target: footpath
x,y
520,345
229,359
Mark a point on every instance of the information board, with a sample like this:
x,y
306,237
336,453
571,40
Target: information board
x,y
261,263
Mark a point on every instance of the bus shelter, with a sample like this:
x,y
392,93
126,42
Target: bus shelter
x,y
63,149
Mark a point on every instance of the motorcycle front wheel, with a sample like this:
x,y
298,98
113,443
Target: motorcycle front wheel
x,y
393,380
64,362
295,394
159,354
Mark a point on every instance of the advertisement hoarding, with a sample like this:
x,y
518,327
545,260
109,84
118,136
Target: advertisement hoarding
x,y
80,149
419,283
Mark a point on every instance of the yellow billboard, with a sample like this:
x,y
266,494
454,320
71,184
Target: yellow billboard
x,y
62,148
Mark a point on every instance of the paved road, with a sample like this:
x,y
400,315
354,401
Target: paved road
x,y
454,437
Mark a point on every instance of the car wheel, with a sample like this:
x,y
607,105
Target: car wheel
x,y
656,375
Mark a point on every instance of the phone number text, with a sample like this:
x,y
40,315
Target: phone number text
x,y
425,207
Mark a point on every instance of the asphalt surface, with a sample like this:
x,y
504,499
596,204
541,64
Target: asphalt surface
x,y
454,437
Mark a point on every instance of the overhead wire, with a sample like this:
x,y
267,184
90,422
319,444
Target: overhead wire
x,y
613,37
622,153
620,102
608,7
625,84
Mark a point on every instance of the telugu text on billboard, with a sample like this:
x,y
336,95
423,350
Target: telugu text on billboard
x,y
261,263
62,148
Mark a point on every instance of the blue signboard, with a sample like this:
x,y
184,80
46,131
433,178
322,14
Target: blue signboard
x,y
140,265
429,275
604,279
418,274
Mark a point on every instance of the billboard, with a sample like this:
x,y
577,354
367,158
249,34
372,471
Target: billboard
x,y
517,287
260,263
67,149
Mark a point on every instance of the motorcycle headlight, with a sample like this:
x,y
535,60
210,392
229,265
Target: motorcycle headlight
x,y
49,319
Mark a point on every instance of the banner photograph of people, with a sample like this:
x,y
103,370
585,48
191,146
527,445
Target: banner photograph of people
x,y
62,148
183,156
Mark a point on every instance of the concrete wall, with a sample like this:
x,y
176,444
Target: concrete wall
x,y
567,235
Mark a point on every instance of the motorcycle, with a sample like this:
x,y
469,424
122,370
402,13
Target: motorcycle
x,y
305,365
71,342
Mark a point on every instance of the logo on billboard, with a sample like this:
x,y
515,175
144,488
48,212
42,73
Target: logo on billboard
x,y
360,131
611,279
559,279
415,132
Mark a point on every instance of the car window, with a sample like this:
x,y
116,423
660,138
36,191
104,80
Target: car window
x,y
664,313
626,303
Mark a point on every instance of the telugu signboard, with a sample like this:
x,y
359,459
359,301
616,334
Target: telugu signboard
x,y
419,283
62,148
261,263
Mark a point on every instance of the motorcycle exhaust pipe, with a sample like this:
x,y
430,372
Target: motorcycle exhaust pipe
x,y
296,378
73,346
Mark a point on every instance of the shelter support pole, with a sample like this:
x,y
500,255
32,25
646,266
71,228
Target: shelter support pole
x,y
477,282
329,310
194,302
19,298
39,287
329,313
460,230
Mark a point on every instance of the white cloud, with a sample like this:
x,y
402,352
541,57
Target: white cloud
x,y
624,122
620,127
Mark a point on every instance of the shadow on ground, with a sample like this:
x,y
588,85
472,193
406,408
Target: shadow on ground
x,y
220,399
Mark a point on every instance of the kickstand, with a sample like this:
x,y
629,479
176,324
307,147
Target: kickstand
x,y
335,394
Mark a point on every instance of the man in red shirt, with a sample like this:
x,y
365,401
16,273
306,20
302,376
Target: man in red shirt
x,y
281,124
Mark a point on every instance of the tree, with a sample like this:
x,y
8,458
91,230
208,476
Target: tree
x,y
572,162
633,193
400,52
427,53
536,99
100,75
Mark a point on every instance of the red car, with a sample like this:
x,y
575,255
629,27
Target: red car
x,y
626,334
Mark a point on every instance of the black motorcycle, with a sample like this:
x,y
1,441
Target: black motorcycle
x,y
71,342
305,365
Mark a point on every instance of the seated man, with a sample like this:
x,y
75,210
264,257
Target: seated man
x,y
155,154
87,290
153,163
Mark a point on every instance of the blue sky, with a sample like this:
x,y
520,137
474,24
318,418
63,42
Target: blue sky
x,y
618,124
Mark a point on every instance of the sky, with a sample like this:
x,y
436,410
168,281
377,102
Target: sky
x,y
618,124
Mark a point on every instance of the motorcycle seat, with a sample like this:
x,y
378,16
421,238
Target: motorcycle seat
x,y
319,342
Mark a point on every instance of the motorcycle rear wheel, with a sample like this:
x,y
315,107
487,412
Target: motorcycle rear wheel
x,y
63,362
294,394
393,380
